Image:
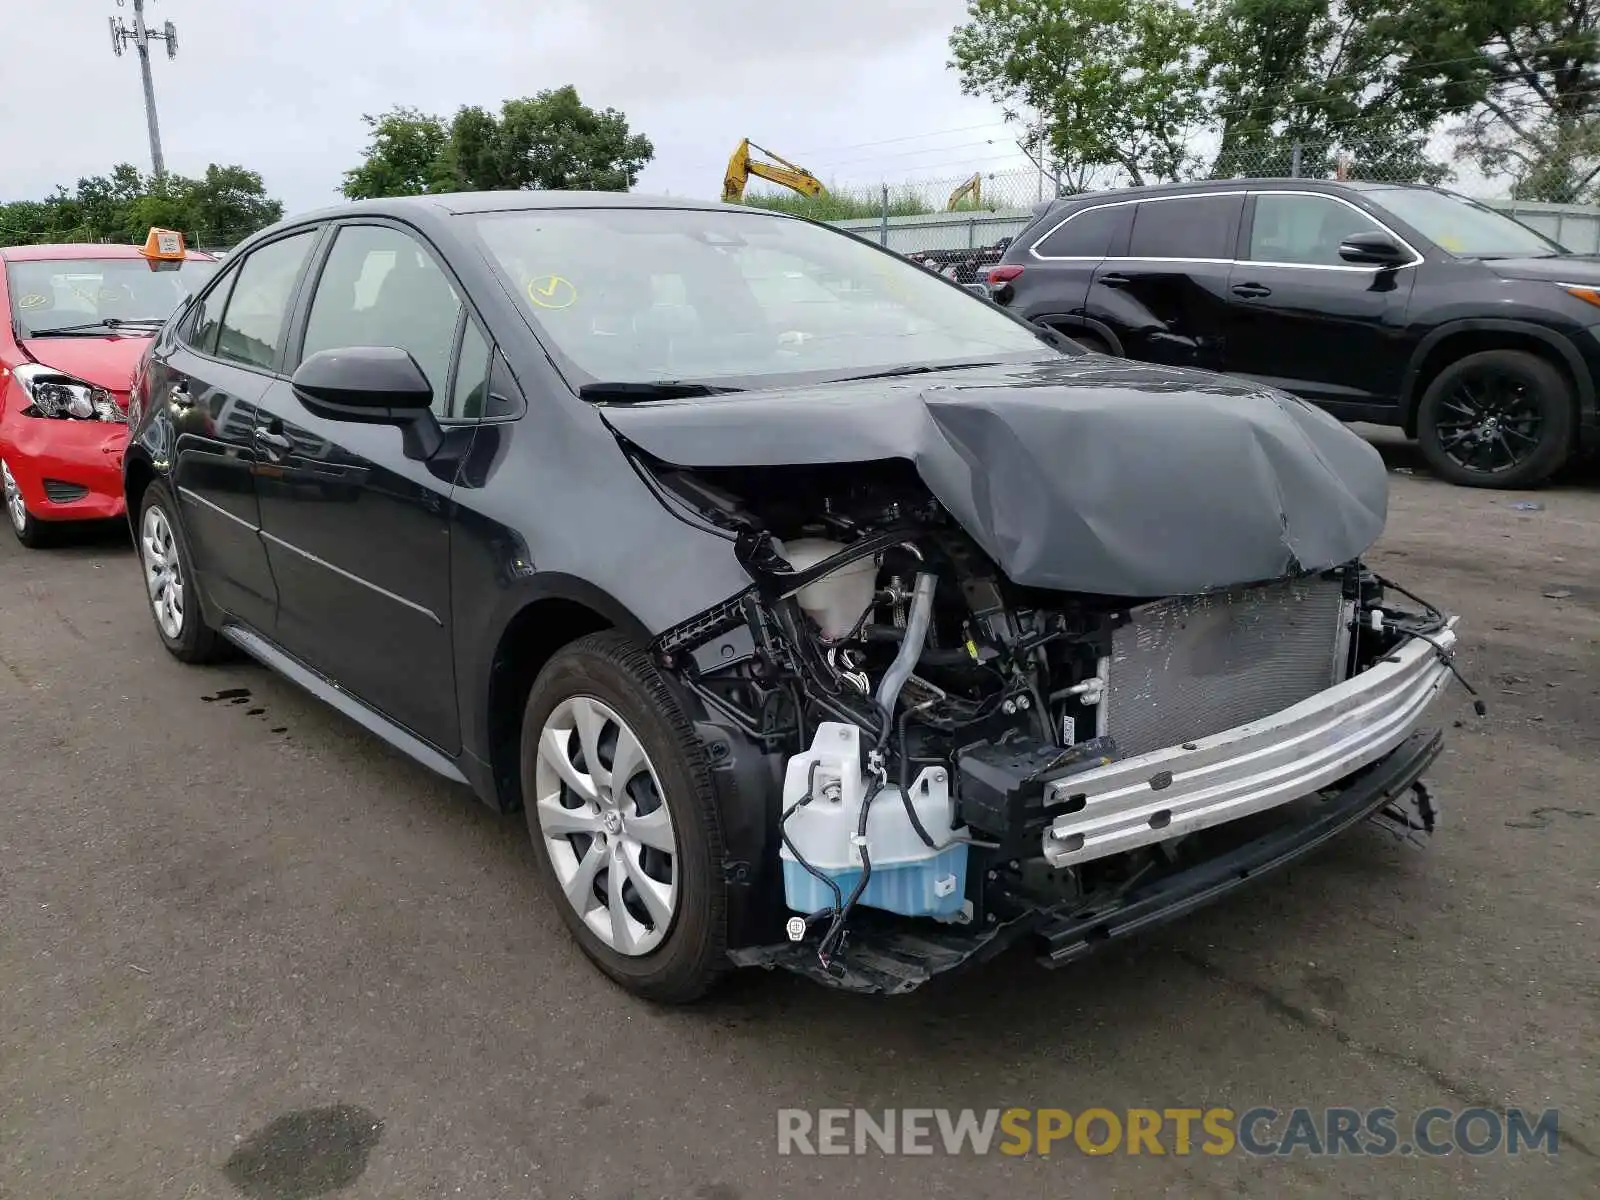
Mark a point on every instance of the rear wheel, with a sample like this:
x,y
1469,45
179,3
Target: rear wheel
x,y
620,807
1498,418
165,563
1091,342
30,531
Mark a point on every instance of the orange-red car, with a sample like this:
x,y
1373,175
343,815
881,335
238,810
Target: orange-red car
x,y
77,318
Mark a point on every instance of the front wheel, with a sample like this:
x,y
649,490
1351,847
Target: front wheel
x,y
168,572
1498,418
621,808
30,531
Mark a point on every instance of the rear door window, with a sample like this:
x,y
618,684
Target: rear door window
x,y
1192,227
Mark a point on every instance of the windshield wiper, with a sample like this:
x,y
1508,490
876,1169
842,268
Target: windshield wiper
x,y
916,369
625,392
89,328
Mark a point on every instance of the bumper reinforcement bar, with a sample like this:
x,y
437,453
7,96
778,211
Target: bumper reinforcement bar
x,y
1165,794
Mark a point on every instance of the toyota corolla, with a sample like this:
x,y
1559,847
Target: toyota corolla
x,y
819,614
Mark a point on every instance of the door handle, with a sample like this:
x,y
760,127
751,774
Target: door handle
x,y
1251,291
271,438
1114,280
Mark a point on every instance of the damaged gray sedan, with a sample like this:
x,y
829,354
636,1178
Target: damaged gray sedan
x,y
819,614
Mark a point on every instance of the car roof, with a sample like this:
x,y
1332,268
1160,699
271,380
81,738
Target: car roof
x,y
91,250
454,203
1235,184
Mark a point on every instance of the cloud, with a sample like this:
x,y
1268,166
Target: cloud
x,y
858,90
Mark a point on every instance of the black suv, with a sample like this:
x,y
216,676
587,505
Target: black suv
x,y
1396,304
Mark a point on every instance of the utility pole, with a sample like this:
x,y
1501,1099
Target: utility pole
x,y
141,36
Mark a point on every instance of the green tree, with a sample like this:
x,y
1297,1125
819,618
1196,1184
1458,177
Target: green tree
x,y
401,158
1117,83
1536,65
1359,77
549,140
225,205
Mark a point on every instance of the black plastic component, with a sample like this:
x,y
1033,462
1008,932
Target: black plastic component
x,y
1000,788
725,650
888,956
59,491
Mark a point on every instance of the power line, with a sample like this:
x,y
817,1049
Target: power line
x,y
141,36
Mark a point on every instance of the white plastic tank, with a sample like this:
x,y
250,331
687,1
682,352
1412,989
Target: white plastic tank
x,y
837,600
908,876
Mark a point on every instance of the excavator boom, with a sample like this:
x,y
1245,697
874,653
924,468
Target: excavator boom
x,y
972,187
780,171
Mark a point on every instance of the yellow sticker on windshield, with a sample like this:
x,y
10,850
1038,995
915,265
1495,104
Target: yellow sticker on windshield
x,y
552,291
1450,242
32,300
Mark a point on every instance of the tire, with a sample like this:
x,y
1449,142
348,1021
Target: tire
x,y
188,639
1092,342
674,960
1518,401
31,532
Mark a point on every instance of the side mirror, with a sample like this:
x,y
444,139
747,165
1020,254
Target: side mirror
x,y
371,385
1372,250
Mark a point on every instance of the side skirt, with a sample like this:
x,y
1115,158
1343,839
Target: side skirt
x,y
270,655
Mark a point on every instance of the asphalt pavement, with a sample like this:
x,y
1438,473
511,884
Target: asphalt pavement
x,y
247,950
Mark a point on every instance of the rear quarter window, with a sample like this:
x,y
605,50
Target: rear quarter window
x,y
1090,233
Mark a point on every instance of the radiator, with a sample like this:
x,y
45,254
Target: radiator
x,y
1190,666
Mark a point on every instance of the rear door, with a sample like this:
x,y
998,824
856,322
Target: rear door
x,y
358,534
211,381
1303,319
1053,287
1166,295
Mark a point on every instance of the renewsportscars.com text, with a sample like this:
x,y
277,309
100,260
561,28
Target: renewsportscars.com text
x,y
1313,1132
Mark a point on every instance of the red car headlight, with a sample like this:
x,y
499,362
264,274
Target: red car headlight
x,y
52,394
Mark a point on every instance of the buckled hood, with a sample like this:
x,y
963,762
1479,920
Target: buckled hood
x,y
108,362
1083,474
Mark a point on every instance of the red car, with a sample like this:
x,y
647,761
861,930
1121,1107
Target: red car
x,y
77,320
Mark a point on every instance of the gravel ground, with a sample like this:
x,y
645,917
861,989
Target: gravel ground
x,y
248,950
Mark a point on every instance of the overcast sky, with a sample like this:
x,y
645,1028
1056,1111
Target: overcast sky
x,y
856,90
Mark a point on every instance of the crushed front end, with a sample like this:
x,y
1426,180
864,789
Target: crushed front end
x,y
959,761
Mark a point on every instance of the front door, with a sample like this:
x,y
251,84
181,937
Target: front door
x,y
1302,319
211,382
1166,296
357,533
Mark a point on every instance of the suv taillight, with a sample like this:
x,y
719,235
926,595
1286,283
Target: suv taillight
x,y
1003,274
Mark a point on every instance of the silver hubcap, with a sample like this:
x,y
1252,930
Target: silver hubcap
x,y
14,504
606,826
163,574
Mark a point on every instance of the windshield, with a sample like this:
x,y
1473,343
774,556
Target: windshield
x,y
1464,227
59,293
647,295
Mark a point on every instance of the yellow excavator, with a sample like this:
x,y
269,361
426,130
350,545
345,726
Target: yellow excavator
x,y
741,166
973,188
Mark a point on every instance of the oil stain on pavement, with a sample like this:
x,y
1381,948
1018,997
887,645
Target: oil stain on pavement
x,y
305,1154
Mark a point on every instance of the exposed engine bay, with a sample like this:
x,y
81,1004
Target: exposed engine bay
x,y
931,716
